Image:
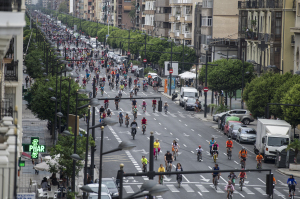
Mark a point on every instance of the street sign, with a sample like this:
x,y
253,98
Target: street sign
x,y
128,53
171,70
96,37
22,163
205,89
144,60
107,36
34,147
25,195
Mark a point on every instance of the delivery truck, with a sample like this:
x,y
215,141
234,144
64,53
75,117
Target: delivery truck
x,y
271,134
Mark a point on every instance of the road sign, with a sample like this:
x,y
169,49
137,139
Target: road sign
x,y
144,60
107,36
26,195
128,53
96,37
205,89
171,70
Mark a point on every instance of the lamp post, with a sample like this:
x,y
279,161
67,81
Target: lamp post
x,y
170,74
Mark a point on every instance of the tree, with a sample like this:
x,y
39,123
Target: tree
x,y
44,108
291,113
63,8
295,145
64,148
227,75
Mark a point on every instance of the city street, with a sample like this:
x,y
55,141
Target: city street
x,y
189,132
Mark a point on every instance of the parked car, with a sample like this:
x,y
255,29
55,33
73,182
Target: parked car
x,y
112,187
95,196
137,72
228,124
244,115
246,134
134,67
221,120
218,115
190,104
233,129
104,188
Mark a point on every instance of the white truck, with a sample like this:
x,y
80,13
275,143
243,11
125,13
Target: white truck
x,y
271,134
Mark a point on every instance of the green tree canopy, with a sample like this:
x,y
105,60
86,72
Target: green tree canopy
x,y
63,7
41,105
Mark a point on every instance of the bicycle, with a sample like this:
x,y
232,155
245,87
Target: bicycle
x,y
229,154
199,156
154,107
215,155
144,167
242,183
179,180
258,166
134,114
102,93
156,153
121,121
230,194
133,132
161,179
216,182
117,106
169,167
106,106
166,110
175,153
127,122
243,163
144,109
144,128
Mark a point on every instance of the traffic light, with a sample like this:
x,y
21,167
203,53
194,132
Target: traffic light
x,y
269,184
169,66
159,106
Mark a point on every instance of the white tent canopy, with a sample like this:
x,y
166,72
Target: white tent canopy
x,y
43,166
187,75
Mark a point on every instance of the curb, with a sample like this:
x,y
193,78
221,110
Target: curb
x,y
287,174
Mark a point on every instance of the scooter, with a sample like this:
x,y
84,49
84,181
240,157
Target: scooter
x,y
174,95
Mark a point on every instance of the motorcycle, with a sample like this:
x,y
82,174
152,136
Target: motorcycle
x,y
174,95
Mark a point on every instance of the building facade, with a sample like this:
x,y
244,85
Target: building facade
x,y
123,8
149,16
162,25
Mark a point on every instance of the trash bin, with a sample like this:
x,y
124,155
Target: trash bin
x,y
281,155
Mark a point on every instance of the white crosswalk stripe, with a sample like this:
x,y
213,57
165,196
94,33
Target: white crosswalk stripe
x,y
190,116
147,114
172,188
218,189
278,193
155,114
260,191
247,190
187,188
128,189
202,188
171,114
163,114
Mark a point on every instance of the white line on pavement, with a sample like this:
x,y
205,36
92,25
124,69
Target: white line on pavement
x,y
193,130
192,151
185,178
184,145
177,139
236,162
261,180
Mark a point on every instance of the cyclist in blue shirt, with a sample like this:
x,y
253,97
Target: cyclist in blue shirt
x,y
211,142
216,168
87,75
291,183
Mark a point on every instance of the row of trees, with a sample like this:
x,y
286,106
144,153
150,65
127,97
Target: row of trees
x,y
119,38
274,88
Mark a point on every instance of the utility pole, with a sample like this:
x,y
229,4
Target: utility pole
x,y
170,74
93,133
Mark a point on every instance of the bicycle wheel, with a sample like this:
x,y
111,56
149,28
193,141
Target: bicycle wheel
x,y
198,158
161,180
216,183
215,158
241,185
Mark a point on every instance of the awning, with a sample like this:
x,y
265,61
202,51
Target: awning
x,y
127,8
26,156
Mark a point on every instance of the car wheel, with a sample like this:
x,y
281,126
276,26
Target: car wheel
x,y
246,121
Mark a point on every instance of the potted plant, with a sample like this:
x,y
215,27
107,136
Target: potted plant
x,y
295,146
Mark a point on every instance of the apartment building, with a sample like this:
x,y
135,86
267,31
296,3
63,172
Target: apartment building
x,y
140,14
108,12
11,79
123,9
266,27
28,2
295,35
149,16
162,25
45,3
181,20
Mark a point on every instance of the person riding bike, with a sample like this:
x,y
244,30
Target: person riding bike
x,y
133,103
166,106
175,146
144,122
229,145
214,174
154,104
291,183
121,115
178,168
199,150
215,147
259,158
144,104
168,159
242,175
232,177
144,161
211,142
106,101
160,169
229,188
122,87
108,112
120,93
156,145
117,99
243,155
127,117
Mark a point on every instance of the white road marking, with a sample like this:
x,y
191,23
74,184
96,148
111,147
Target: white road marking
x,y
128,189
218,189
159,123
179,120
261,191
154,118
247,190
236,162
192,151
187,188
236,192
184,145
278,193
261,180
177,139
165,128
172,188
223,179
209,167
185,124
193,130
199,193
185,178
171,133
202,188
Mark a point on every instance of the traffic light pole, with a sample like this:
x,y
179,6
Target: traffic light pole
x,y
93,133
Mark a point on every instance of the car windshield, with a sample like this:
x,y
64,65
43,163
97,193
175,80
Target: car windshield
x,y
103,189
236,127
191,100
250,131
190,94
278,141
109,183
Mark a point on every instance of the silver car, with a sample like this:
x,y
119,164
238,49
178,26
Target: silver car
x,y
246,134
233,130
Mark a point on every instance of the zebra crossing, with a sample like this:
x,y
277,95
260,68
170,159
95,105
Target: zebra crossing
x,y
207,188
150,113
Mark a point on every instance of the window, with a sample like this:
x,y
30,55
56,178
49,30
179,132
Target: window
x,y
278,24
240,112
206,21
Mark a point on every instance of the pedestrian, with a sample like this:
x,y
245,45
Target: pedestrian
x,y
120,171
27,80
200,90
30,81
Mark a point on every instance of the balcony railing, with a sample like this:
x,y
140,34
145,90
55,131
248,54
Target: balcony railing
x,y
6,108
292,40
251,35
207,4
188,17
264,37
177,33
11,71
7,5
260,4
180,1
187,35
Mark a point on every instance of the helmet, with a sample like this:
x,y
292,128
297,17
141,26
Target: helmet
x,y
168,151
135,106
243,148
212,138
199,146
243,168
292,175
143,156
229,181
229,138
143,100
121,165
120,112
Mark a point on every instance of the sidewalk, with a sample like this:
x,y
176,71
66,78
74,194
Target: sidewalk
x,y
289,172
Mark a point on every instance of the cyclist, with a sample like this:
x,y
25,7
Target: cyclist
x,y
117,99
211,142
229,144
216,168
144,161
120,93
154,104
121,116
101,110
242,175
161,169
108,112
156,145
166,106
106,102
133,123
199,150
259,158
243,155
133,103
122,87
168,159
129,81
178,168
291,183
215,147
229,188
102,88
175,146
232,177
144,122
144,104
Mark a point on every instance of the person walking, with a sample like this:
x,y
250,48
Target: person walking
x,y
120,171
27,80
200,90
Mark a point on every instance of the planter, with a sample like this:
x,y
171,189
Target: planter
x,y
294,167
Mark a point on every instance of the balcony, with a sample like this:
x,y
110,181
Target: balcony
x,y
171,18
7,6
187,35
292,40
251,36
143,14
143,2
181,2
6,108
177,33
255,4
186,19
11,71
162,17
264,37
207,4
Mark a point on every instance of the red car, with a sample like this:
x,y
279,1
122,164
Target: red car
x,y
228,124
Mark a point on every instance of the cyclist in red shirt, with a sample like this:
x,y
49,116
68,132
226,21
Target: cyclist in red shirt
x,y
154,104
144,122
242,175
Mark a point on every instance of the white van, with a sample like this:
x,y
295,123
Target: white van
x,y
187,92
